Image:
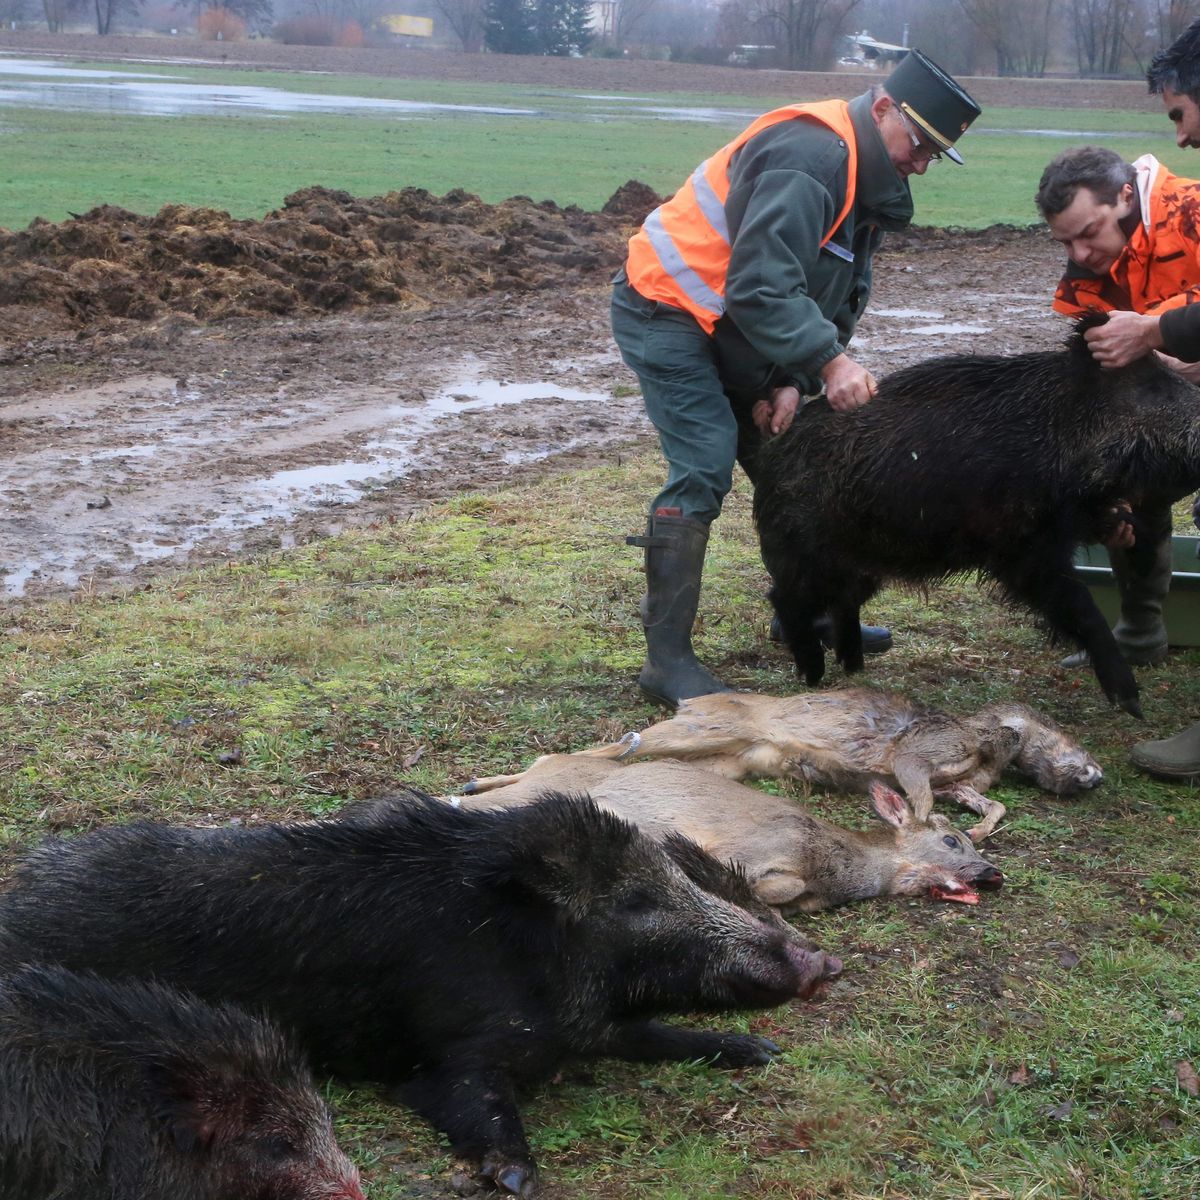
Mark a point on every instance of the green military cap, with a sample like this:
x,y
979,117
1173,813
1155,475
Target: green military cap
x,y
932,100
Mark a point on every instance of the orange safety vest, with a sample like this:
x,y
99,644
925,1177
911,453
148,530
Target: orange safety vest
x,y
681,253
1160,265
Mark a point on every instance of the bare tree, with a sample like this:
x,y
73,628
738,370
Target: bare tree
x,y
364,13
108,10
630,16
57,12
806,31
12,11
1018,32
1171,17
466,20
1100,28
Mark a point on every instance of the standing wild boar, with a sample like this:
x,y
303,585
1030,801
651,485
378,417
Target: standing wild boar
x,y
130,1091
454,953
998,466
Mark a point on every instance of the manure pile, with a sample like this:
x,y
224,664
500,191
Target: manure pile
x,y
323,250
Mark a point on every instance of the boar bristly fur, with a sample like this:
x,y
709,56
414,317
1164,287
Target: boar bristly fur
x,y
456,954
997,465
131,1091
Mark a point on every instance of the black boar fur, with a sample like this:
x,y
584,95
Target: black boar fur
x,y
129,1091
997,465
455,953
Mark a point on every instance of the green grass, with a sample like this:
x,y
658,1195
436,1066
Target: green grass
x,y
1025,1048
575,152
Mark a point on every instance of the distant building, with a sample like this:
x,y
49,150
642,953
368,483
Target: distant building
x,y
864,50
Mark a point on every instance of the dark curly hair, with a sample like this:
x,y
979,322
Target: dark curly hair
x,y
1103,172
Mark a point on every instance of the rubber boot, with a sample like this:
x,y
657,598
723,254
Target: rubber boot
x,y
675,548
1175,757
1140,632
876,639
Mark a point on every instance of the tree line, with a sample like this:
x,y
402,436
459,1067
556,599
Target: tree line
x,y
1004,37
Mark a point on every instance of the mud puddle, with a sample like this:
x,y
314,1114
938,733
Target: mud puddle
x,y
149,446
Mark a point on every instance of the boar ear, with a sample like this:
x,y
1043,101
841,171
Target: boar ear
x,y
563,852
891,807
725,879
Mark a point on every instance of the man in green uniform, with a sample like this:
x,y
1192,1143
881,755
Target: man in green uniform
x,y
740,295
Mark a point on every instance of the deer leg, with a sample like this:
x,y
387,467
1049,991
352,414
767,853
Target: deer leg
x,y
913,774
992,811
491,782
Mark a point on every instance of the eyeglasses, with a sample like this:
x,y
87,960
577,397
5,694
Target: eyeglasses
x,y
923,148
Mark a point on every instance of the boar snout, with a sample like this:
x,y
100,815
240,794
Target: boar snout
x,y
813,969
782,969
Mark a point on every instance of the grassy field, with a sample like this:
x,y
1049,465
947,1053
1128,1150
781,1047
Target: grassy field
x,y
1030,1047
577,150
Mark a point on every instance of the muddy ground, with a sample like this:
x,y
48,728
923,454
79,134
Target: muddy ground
x,y
185,388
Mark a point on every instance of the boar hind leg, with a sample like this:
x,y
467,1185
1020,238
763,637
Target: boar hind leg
x,y
847,631
476,1109
650,1041
1046,581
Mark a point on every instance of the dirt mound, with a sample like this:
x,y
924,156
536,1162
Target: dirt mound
x,y
323,251
634,201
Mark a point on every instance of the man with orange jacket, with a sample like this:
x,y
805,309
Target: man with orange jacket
x,y
1133,247
741,293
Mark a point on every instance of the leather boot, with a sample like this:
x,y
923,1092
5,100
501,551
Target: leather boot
x,y
675,548
1140,632
1175,757
876,639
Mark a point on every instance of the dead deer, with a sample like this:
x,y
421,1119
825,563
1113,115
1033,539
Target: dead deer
x,y
794,861
846,738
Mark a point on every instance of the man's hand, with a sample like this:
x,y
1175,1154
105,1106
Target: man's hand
x,y
775,415
1121,536
847,385
1124,338
1189,371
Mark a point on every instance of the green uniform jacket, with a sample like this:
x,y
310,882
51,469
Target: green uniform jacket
x,y
792,305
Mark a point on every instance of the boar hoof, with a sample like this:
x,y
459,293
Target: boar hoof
x,y
747,1050
510,1177
1131,705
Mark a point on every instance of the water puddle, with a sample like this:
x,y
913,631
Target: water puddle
x,y
187,99
345,482
949,327
904,314
163,490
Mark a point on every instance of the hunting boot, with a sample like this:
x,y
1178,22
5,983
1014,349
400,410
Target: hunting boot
x,y
1176,758
675,548
1140,632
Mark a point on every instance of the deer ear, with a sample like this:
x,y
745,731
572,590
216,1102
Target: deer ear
x,y
891,807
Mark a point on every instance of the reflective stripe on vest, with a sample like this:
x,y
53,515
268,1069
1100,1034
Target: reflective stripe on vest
x,y
681,253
